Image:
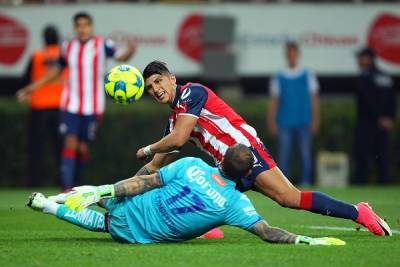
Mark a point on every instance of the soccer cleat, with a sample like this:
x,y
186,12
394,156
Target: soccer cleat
x,y
36,201
215,233
368,218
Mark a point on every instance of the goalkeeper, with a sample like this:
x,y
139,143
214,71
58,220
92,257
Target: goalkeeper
x,y
182,201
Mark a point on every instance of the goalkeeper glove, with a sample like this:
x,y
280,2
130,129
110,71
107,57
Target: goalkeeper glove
x,y
84,196
319,241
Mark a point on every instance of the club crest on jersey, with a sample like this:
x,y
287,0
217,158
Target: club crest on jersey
x,y
185,93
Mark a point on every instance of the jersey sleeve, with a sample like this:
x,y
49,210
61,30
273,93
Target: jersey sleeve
x,y
242,214
274,86
313,82
192,100
109,48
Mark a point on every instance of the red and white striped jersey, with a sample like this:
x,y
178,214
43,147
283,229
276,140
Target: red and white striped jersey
x,y
83,89
218,126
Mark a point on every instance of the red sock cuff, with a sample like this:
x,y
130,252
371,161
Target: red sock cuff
x,y
306,200
68,153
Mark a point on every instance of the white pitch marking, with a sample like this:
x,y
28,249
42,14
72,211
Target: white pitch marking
x,y
338,228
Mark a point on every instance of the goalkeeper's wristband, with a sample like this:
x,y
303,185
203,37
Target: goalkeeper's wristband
x,y
147,151
106,191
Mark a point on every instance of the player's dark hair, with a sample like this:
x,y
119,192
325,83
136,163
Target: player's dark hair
x,y
50,35
292,45
82,15
155,67
237,162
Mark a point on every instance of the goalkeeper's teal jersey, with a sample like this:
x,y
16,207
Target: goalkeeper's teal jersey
x,y
194,198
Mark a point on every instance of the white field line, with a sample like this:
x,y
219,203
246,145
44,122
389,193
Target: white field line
x,y
337,228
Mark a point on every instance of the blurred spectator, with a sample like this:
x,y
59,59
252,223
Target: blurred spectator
x,y
83,98
294,112
376,107
44,107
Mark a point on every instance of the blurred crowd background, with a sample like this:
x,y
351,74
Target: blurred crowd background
x,y
317,79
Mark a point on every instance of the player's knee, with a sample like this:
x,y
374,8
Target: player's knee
x,y
83,148
71,142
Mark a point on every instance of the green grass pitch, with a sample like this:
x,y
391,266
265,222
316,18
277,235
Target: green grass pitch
x,y
29,238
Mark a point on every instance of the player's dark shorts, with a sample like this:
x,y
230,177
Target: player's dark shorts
x,y
262,162
83,126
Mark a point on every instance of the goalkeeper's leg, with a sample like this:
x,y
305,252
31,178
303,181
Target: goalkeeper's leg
x,y
87,219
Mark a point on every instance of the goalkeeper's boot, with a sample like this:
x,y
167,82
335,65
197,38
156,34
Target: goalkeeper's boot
x,y
368,218
215,233
36,201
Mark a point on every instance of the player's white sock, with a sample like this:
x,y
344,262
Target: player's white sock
x,y
50,207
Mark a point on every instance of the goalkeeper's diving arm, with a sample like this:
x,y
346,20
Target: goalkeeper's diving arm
x,y
277,235
132,186
84,196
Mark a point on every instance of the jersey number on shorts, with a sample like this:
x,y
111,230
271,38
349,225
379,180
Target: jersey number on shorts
x,y
197,206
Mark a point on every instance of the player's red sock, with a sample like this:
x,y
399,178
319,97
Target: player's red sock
x,y
82,161
321,203
68,163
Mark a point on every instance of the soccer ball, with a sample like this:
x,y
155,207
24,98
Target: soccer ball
x,y
124,84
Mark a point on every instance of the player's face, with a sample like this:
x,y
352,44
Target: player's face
x,y
83,29
161,87
364,62
292,56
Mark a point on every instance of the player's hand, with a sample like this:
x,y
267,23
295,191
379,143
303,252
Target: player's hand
x,y
87,195
141,155
385,123
314,129
25,93
320,241
130,46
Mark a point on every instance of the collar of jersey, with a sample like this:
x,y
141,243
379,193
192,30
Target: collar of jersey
x,y
177,96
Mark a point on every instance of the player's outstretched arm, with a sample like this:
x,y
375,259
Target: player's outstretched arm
x,y
84,196
127,52
136,185
272,234
280,236
174,140
25,93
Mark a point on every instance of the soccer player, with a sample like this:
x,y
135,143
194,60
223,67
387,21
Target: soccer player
x,y
44,115
199,116
184,200
83,99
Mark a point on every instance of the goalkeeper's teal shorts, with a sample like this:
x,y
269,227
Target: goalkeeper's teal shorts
x,y
118,225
